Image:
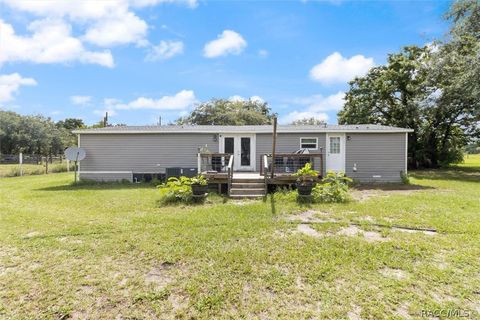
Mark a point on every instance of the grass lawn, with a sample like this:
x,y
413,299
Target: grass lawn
x,y
103,252
11,170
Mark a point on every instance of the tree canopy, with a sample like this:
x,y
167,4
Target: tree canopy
x,y
434,90
229,112
35,135
308,121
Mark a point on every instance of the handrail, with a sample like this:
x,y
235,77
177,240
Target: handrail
x,y
213,161
265,171
291,162
230,173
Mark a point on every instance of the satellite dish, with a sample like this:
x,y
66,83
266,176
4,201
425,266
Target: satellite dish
x,y
75,154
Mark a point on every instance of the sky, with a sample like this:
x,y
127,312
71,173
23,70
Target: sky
x,y
145,59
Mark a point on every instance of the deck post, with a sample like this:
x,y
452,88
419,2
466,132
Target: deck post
x,y
274,145
199,163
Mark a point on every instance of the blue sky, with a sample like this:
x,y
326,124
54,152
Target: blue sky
x,y
141,59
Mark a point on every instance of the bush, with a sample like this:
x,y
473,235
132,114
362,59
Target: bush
x,y
306,174
405,177
334,188
176,190
199,180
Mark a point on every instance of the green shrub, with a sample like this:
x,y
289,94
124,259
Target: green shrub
x,y
176,190
334,188
306,174
405,177
199,180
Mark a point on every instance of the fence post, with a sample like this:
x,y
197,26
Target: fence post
x,y
20,162
68,165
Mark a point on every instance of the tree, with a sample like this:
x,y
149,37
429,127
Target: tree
x,y
308,121
390,94
228,112
434,90
71,124
34,135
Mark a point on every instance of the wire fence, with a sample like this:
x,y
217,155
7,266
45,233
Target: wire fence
x,y
30,159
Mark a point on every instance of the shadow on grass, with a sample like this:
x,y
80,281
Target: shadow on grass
x,y
390,187
454,173
301,201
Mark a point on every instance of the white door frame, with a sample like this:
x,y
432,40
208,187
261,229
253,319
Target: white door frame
x,y
342,150
237,145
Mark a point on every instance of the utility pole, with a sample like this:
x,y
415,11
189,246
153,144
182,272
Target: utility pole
x,y
105,119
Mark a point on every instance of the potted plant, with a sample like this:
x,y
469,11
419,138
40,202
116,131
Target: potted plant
x,y
199,185
306,177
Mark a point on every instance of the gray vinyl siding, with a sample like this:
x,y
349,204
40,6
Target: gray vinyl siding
x,y
375,154
286,142
107,176
142,153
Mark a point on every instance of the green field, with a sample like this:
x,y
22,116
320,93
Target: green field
x,y
13,170
110,251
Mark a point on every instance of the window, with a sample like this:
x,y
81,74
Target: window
x,y
309,143
334,144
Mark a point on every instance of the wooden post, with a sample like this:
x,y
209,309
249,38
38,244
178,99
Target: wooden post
x,y
68,165
76,167
274,145
20,162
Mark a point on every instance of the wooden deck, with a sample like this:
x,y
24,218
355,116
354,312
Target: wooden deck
x,y
278,169
222,177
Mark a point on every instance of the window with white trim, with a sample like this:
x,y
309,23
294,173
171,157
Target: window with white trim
x,y
334,144
309,143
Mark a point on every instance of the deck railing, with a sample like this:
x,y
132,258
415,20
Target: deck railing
x,y
213,162
289,163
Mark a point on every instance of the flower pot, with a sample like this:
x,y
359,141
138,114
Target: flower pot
x,y
304,189
199,190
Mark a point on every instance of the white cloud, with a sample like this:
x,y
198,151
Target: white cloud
x,y
103,23
119,27
252,98
228,42
315,106
319,102
144,3
180,101
299,115
10,83
336,69
80,100
50,42
165,50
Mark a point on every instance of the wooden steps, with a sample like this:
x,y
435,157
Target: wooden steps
x,y
247,187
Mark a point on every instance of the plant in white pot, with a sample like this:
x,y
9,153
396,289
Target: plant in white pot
x,y
306,179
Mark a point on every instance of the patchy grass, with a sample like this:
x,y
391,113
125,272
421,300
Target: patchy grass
x,y
98,251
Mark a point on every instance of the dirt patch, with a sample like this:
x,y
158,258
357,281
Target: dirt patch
x,y
309,231
366,192
402,312
353,230
160,276
178,300
397,274
349,231
31,234
355,313
311,217
373,236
